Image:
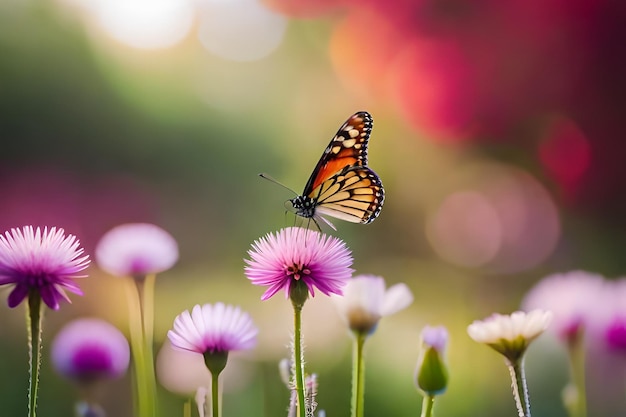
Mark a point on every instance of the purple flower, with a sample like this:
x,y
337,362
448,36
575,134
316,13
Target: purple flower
x,y
293,254
607,322
435,337
213,328
43,262
136,250
90,349
572,297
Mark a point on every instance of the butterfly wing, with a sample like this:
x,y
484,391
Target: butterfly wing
x,y
348,148
355,194
341,185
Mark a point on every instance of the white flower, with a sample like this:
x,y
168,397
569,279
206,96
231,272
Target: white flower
x,y
510,334
365,301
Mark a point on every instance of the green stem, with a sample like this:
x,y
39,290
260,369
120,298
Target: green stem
x,y
299,365
34,322
148,335
143,400
520,390
427,406
358,375
187,408
577,371
215,395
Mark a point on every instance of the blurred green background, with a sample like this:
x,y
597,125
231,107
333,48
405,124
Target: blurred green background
x,y
498,134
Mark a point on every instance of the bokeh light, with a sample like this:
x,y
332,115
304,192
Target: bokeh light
x,y
565,152
144,24
304,8
361,58
507,223
240,30
433,85
466,229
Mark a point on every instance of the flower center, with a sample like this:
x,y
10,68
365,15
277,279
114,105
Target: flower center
x,y
38,280
297,271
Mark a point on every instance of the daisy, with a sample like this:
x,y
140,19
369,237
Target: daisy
x,y
213,331
136,250
44,263
572,297
295,255
365,301
41,266
511,334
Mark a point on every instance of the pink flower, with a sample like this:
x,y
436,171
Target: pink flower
x,y
43,262
90,349
607,322
572,297
213,329
293,254
136,250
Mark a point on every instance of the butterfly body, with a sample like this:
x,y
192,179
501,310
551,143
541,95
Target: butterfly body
x,y
342,185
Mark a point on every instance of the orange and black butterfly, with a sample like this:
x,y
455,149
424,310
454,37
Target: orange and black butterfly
x,y
342,185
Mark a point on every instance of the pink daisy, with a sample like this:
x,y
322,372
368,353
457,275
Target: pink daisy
x,y
573,297
213,329
136,250
45,262
293,254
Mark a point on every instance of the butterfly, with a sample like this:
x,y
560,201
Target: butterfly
x,y
342,185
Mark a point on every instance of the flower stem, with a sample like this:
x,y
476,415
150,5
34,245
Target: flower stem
x,y
144,401
215,395
427,405
358,375
520,390
299,363
34,322
187,408
148,335
577,371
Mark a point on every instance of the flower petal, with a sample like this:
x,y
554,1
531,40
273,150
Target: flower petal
x,y
397,297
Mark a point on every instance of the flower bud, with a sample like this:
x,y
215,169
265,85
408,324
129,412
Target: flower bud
x,y
431,375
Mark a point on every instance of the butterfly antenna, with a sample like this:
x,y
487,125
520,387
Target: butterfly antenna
x,y
270,179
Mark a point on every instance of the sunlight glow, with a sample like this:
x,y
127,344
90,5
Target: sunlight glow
x,y
144,24
240,30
